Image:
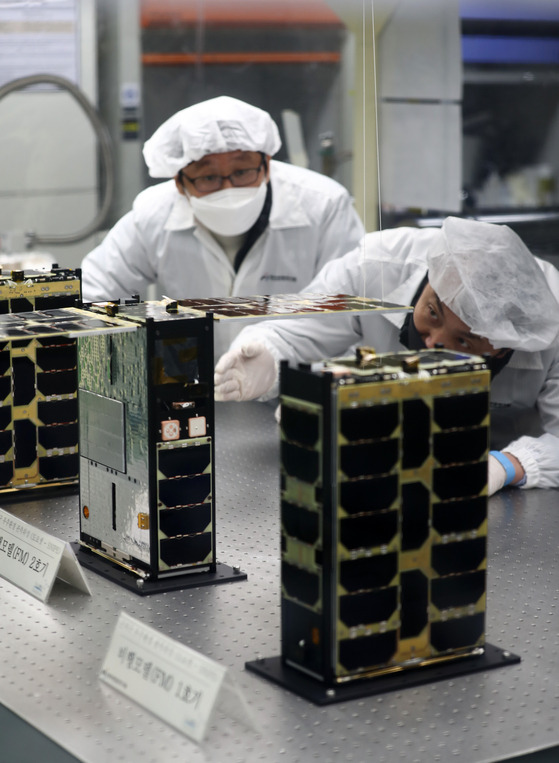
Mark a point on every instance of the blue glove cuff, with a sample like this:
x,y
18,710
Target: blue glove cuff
x,y
506,463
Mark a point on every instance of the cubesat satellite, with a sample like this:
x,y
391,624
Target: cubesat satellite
x,y
38,382
147,477
383,523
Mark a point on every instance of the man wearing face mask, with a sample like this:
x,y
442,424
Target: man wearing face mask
x,y
476,288
229,221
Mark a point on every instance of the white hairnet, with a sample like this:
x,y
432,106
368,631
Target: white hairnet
x,y
486,275
211,127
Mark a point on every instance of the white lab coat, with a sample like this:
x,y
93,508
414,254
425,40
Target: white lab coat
x,y
393,268
312,221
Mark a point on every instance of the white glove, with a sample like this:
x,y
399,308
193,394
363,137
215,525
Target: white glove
x,y
245,373
496,475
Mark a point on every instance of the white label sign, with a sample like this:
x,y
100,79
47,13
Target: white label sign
x,y
169,679
33,559
39,37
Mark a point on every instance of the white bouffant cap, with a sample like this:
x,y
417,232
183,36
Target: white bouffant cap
x,y
211,127
487,276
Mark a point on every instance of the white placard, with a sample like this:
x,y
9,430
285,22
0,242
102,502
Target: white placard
x,y
33,559
171,680
39,37
130,95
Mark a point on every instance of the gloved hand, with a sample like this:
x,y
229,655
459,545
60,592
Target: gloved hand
x,y
245,373
496,475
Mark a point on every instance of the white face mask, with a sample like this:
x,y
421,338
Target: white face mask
x,y
231,211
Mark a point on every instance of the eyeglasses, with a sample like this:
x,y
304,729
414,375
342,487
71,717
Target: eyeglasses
x,y
238,179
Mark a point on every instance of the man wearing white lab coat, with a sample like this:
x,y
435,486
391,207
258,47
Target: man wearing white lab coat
x,y
484,293
231,221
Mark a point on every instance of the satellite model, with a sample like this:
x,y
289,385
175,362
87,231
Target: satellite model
x,y
146,413
383,521
38,383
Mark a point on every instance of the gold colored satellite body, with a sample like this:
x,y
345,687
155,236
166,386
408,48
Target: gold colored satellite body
x,y
38,381
383,512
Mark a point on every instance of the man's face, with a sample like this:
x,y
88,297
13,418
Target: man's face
x,y
238,167
436,324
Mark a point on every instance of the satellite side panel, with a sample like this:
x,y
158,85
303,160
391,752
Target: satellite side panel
x,y
384,513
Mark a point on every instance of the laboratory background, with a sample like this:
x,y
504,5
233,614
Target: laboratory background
x,y
420,109
442,108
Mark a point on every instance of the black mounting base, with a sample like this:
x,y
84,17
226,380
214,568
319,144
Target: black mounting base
x,y
275,670
144,587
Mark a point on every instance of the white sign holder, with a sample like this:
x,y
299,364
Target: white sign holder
x,y
171,680
33,559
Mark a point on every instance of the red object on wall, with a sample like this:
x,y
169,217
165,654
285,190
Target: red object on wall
x,y
171,13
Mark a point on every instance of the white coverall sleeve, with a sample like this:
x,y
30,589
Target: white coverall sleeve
x,y
301,340
119,266
539,456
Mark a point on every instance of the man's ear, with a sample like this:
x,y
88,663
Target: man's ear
x,y
267,161
178,183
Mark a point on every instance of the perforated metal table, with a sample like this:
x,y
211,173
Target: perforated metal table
x,y
51,653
